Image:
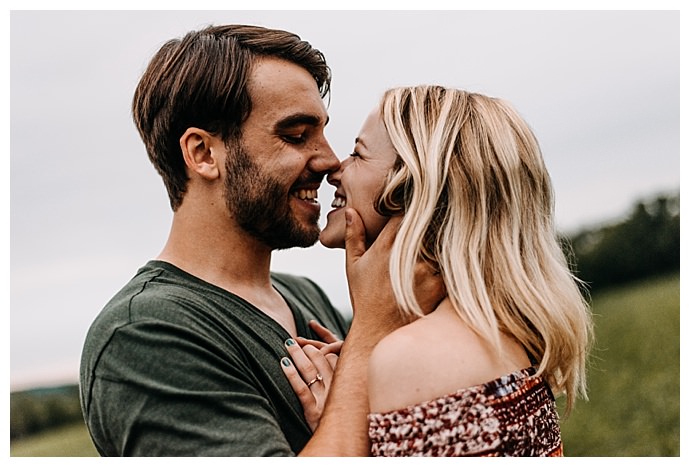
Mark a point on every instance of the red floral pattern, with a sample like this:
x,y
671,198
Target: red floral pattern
x,y
514,415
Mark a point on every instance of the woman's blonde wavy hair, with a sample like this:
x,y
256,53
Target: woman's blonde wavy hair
x,y
478,206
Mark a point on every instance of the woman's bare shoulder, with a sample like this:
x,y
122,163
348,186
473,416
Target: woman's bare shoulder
x,y
404,359
432,357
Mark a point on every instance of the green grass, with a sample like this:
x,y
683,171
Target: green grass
x,y
68,441
634,376
634,382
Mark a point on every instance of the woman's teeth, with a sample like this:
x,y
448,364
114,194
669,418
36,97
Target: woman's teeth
x,y
338,202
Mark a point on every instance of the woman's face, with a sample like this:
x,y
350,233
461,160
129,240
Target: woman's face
x,y
359,181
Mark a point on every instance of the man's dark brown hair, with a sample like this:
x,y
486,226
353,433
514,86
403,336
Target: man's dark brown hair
x,y
200,81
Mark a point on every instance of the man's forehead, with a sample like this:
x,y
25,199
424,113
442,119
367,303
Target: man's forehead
x,y
285,93
275,75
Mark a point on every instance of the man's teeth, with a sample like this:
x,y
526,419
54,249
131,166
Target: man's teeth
x,y
338,202
307,194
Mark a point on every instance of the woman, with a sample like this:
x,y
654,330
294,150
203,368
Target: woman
x,y
475,376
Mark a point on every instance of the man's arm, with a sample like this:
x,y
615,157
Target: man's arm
x,y
162,390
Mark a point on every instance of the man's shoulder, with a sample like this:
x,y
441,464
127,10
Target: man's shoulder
x,y
293,281
149,295
139,288
298,285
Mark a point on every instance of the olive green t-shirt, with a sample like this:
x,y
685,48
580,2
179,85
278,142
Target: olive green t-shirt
x,y
175,366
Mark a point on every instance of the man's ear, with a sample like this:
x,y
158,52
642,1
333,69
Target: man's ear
x,y
200,152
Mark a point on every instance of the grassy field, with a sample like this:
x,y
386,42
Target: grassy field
x,y
634,381
68,441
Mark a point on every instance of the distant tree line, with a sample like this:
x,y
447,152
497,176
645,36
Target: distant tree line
x,y
644,244
39,409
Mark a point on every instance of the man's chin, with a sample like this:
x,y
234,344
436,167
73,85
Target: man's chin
x,y
294,240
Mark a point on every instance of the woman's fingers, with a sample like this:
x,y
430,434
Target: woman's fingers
x,y
322,365
323,332
302,341
296,381
355,243
330,342
310,374
332,360
302,392
324,348
305,367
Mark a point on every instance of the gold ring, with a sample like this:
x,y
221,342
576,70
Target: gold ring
x,y
318,378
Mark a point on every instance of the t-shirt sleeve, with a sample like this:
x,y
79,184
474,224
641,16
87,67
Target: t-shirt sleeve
x,y
160,389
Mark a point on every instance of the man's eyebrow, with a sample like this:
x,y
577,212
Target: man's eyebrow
x,y
299,119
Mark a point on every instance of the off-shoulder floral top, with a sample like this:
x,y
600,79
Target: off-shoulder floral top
x,y
514,415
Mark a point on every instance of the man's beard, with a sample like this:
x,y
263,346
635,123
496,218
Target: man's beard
x,y
261,204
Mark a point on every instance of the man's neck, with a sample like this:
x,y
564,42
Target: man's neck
x,y
217,252
229,258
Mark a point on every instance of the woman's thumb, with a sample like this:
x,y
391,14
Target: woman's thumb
x,y
355,243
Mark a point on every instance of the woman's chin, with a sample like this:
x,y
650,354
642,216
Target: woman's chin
x,y
332,240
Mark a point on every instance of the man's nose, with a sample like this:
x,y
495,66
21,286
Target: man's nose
x,y
334,177
324,160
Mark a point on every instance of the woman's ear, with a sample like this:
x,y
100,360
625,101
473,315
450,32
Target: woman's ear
x,y
199,150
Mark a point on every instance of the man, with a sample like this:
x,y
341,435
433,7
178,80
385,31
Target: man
x,y
184,359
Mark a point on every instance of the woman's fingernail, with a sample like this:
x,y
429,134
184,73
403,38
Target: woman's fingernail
x,y
285,361
289,342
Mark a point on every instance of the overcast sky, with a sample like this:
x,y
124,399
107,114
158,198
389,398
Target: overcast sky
x,y
601,90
